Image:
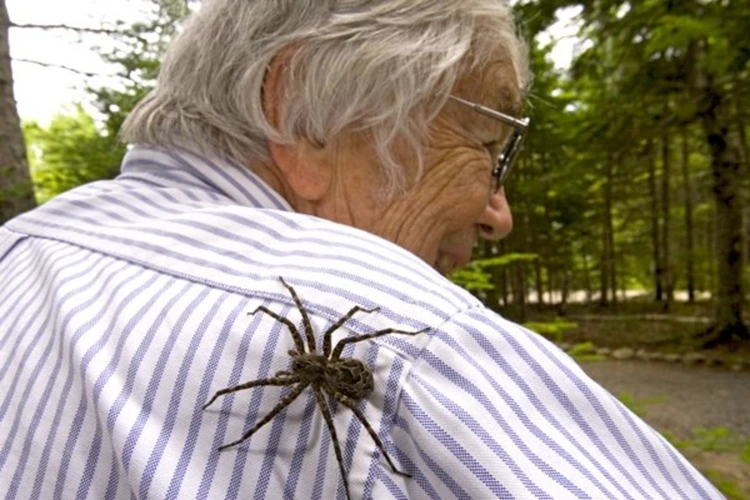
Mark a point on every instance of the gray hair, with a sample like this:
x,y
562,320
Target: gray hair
x,y
384,67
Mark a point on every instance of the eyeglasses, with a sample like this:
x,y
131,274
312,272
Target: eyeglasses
x,y
512,145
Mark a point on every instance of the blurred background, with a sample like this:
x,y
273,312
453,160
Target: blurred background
x,y
631,247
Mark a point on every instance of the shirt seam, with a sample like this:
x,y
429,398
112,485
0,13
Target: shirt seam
x,y
272,296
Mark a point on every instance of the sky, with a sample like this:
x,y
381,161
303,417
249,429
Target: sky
x,y
42,91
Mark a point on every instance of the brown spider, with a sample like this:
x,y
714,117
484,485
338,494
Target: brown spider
x,y
346,379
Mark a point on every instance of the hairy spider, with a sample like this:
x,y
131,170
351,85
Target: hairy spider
x,y
345,379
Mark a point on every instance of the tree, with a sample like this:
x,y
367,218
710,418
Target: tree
x,y
73,150
709,60
137,54
689,238
70,152
16,190
643,59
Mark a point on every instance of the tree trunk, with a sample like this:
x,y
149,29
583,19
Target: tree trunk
x,y
711,246
501,276
16,190
564,291
655,240
725,149
538,279
612,259
725,167
520,291
689,243
587,278
745,192
666,267
493,296
608,269
604,270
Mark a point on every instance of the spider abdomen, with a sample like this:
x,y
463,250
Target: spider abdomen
x,y
350,377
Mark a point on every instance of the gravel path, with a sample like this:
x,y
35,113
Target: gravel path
x,y
686,397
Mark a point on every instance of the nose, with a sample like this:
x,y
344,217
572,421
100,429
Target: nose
x,y
496,222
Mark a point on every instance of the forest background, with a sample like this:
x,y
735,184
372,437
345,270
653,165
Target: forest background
x,y
630,196
630,199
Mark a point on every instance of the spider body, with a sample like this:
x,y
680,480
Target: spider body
x,y
347,380
346,376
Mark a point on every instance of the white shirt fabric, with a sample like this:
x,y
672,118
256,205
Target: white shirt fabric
x,y
124,306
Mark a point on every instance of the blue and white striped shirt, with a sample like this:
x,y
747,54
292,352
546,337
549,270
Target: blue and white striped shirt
x,y
124,306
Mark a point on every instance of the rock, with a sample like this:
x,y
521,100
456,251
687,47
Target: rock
x,y
623,353
693,358
656,356
672,358
643,355
604,351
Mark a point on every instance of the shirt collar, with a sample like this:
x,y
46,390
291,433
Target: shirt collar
x,y
179,167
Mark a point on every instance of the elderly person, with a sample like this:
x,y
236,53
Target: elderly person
x,y
356,150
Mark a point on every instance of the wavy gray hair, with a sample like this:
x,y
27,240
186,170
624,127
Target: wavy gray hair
x,y
385,67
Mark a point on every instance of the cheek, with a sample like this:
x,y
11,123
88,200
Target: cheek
x,y
466,194
450,197
459,200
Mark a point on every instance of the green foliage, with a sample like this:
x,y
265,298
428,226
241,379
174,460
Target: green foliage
x,y
584,351
718,439
76,149
554,330
137,54
727,487
629,101
475,275
638,406
70,152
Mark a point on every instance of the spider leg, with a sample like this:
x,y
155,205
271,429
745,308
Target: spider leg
x,y
351,404
281,378
336,325
336,448
305,317
351,340
282,404
292,329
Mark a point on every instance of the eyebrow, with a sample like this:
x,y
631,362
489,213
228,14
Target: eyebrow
x,y
512,102
515,108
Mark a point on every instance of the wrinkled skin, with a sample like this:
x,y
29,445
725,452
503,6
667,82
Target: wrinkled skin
x,y
440,217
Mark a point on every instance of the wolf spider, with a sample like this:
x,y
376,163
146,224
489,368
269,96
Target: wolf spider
x,y
347,380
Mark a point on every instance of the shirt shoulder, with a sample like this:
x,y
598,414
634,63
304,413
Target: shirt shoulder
x,y
492,410
199,235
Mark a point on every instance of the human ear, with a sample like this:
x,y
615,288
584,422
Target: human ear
x,y
307,168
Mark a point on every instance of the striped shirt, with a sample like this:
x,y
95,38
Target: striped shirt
x,y
125,306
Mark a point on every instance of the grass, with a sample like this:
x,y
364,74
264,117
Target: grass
x,y
706,448
638,406
727,487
